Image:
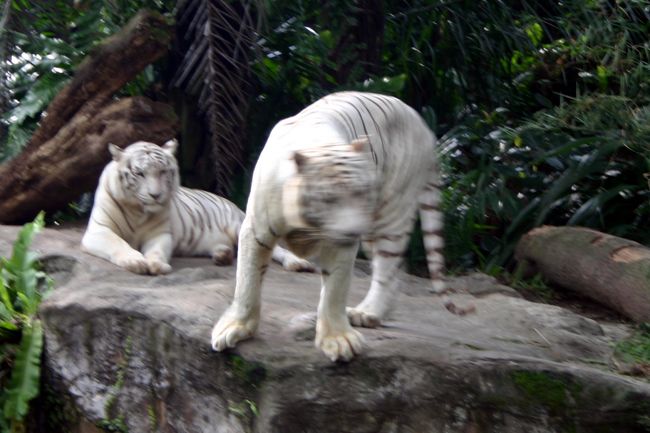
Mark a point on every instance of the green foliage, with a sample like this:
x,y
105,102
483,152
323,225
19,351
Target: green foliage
x,y
46,41
20,278
251,373
22,287
113,425
505,181
244,409
113,421
636,349
153,419
534,287
562,146
542,106
307,50
542,388
25,374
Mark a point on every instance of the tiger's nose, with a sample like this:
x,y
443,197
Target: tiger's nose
x,y
154,195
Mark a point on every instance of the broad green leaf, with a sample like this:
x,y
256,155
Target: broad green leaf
x,y
5,313
21,257
595,203
20,274
4,295
535,33
9,326
24,382
29,304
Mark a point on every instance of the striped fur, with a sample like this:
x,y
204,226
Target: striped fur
x,y
350,166
142,215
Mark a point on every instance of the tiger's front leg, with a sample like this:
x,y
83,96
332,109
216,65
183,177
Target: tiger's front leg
x,y
334,335
241,319
106,244
157,251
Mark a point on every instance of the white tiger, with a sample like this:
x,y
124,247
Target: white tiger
x,y
352,165
141,215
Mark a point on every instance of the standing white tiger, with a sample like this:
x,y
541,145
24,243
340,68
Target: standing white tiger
x,y
142,215
352,165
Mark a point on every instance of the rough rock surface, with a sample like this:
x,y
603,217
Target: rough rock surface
x,y
132,353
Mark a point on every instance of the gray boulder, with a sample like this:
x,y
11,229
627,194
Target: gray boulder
x,y
132,353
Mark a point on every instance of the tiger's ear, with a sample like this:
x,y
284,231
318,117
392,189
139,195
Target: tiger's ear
x,y
115,151
170,146
301,161
360,144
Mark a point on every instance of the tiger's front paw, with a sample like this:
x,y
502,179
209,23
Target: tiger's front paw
x,y
132,261
362,318
158,267
229,331
296,264
340,346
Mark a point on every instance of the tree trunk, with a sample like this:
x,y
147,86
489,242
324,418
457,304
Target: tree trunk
x,y
69,164
67,152
118,60
611,270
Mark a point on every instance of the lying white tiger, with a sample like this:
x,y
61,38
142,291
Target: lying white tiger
x,y
141,215
352,165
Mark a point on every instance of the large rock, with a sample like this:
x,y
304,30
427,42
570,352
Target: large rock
x,y
132,353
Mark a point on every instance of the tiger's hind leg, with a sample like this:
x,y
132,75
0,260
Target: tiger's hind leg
x,y
223,255
387,252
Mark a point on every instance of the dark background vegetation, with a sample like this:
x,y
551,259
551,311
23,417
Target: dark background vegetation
x,y
541,106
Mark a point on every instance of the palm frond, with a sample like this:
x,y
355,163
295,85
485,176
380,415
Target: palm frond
x,y
216,38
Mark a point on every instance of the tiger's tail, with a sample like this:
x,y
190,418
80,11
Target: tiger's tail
x,y
432,222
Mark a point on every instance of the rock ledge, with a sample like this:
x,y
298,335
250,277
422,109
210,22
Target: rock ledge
x,y
132,353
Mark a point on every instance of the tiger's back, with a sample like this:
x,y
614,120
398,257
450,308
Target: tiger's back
x,y
403,154
200,220
401,145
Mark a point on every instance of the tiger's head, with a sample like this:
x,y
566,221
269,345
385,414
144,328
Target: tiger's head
x,y
333,191
147,173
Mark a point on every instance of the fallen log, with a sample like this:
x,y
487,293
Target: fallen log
x,y
613,271
66,154
112,64
69,164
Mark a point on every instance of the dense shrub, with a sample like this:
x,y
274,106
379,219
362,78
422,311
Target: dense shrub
x,y
541,106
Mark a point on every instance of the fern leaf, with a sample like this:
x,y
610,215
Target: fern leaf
x,y
22,258
26,372
21,271
5,298
6,311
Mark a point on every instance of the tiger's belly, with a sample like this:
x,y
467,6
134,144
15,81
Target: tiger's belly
x,y
303,243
